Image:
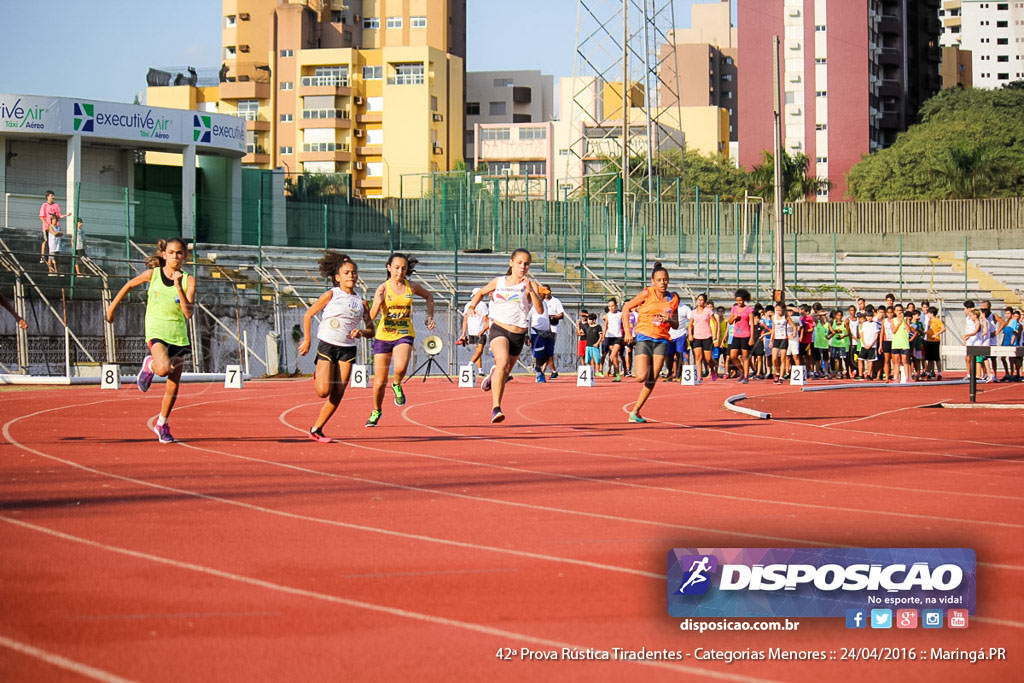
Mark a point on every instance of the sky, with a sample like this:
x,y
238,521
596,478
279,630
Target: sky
x,y
101,49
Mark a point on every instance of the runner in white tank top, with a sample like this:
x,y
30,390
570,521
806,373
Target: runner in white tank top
x,y
512,295
343,313
613,335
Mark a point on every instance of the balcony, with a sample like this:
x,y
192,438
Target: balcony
x,y
325,85
255,155
370,150
521,95
325,151
370,183
891,88
888,25
244,90
407,79
325,118
370,117
889,57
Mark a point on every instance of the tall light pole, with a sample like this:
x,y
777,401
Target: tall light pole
x,y
778,270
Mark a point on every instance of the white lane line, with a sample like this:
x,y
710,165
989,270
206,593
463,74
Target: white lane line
x,y
868,417
720,496
60,661
432,491
509,636
319,520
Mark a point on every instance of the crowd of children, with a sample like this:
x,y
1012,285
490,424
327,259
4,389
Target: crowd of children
x,y
888,342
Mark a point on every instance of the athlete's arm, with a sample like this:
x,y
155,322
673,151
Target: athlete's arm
x,y
307,320
368,321
532,288
139,279
186,296
422,292
484,291
627,329
674,320
378,302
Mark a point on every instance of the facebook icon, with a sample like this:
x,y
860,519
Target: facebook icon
x,y
856,618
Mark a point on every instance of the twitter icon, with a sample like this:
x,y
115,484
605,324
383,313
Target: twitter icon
x,y
881,618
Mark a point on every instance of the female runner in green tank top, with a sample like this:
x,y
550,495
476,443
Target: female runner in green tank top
x,y
171,295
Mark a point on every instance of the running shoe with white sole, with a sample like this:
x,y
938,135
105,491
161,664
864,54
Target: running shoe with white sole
x,y
145,377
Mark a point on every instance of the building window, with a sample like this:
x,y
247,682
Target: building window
x,y
285,118
336,17
1002,24
433,103
417,22
333,76
286,149
533,133
468,137
373,73
495,134
820,60
819,28
822,160
499,167
533,167
287,53
821,126
1002,41
496,108
394,22
371,23
502,82
472,109
229,20
1002,58
229,52
248,109
821,93
287,85
1003,77
407,74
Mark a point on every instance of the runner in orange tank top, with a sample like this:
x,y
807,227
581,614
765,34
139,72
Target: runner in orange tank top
x,y
657,311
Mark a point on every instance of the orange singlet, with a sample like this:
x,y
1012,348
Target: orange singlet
x,y
654,305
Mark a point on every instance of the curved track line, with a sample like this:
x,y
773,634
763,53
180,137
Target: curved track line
x,y
62,662
723,496
349,602
319,520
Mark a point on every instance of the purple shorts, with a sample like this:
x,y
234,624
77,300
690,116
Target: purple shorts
x,y
380,346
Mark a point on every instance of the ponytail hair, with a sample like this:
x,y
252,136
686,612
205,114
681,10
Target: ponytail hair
x,y
156,259
658,267
331,261
410,261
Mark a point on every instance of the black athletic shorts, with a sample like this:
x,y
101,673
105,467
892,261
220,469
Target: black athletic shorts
x,y
780,344
173,350
887,347
868,355
334,353
516,340
646,347
705,344
475,339
740,343
806,348
613,341
931,351
758,349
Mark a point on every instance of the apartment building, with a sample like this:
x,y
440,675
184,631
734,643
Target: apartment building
x,y
373,88
505,97
854,74
699,65
993,33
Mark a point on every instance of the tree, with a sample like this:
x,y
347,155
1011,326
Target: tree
x,y
797,184
970,143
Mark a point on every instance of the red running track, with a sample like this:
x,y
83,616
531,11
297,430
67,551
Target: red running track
x,y
418,549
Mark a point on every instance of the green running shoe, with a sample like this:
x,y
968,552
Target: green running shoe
x,y
399,394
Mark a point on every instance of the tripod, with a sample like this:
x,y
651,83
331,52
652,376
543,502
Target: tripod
x,y
427,364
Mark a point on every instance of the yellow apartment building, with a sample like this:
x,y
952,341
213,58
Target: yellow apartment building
x,y
373,88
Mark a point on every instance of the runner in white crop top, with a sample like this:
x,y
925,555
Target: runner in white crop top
x,y
512,296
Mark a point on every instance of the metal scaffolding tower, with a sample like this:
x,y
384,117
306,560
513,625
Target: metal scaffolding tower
x,y
618,128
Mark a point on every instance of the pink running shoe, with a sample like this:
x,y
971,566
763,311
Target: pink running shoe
x,y
486,384
163,432
145,377
318,436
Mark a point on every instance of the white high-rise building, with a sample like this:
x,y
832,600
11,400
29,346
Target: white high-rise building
x,y
994,34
